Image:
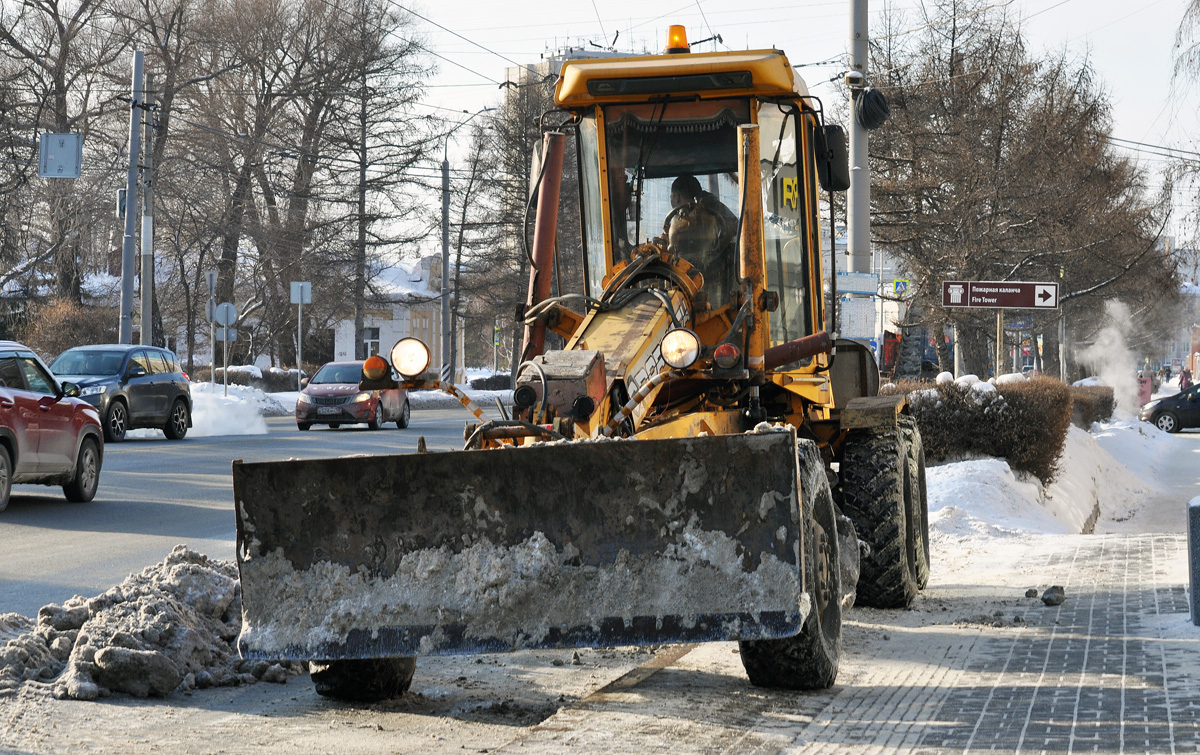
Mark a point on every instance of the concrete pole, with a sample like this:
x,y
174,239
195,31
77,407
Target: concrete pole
x,y
300,342
447,368
147,275
858,200
1062,347
999,340
125,331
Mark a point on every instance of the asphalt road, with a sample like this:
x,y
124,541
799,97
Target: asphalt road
x,y
155,494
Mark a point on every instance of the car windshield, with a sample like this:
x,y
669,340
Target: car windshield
x,y
338,373
87,362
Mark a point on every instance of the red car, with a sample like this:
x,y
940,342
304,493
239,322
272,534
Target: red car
x,y
47,435
332,397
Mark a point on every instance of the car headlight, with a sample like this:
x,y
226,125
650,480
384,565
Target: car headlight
x,y
93,390
304,398
680,348
410,357
364,396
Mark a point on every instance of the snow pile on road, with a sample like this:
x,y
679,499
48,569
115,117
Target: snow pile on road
x,y
240,412
172,627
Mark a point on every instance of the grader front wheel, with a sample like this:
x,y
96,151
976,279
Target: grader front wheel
x,y
808,660
363,680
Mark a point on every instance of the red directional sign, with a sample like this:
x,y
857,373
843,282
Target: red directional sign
x,y
1000,294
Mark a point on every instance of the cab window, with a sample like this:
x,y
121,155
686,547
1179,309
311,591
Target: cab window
x,y
10,374
786,223
36,379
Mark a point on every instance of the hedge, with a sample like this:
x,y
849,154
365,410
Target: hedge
x,y
1024,422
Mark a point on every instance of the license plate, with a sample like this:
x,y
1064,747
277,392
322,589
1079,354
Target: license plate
x,y
328,410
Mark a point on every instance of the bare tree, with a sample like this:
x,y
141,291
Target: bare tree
x,y
995,166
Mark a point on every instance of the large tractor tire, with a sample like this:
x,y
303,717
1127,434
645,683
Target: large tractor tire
x,y
363,680
876,493
918,500
809,660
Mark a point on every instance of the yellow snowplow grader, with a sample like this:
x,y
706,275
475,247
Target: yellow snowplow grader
x,y
665,476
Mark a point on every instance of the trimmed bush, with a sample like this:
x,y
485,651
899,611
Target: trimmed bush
x,y
1092,403
492,383
1023,422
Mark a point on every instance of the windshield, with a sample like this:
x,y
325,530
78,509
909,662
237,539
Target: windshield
x,y
672,178
338,373
88,362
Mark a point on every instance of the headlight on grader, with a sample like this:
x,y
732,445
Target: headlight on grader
x,y
680,348
410,357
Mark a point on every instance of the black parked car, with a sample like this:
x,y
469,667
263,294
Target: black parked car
x,y
131,386
1174,413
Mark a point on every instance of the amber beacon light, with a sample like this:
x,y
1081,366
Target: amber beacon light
x,y
677,40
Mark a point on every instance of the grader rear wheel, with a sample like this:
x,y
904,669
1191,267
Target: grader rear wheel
x,y
877,488
918,500
810,659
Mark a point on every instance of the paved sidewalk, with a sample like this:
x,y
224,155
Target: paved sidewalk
x,y
1115,668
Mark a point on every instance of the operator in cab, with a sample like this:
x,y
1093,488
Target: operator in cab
x,y
702,230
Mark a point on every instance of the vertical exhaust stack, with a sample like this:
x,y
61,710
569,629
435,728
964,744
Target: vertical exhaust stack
x,y
544,234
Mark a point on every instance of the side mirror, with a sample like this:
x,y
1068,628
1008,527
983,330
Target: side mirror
x,y
70,390
303,383
135,371
833,158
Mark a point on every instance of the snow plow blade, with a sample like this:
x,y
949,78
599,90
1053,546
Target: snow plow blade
x,y
586,544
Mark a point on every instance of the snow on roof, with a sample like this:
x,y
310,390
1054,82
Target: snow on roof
x,y
406,279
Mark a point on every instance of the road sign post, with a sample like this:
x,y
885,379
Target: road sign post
x,y
301,295
225,316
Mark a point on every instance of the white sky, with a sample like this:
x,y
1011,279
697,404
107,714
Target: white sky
x,y
1131,45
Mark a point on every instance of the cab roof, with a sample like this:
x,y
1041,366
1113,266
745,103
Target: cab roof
x,y
762,73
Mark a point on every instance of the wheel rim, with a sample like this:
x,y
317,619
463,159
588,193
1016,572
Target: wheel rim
x,y
89,472
4,472
116,421
179,418
406,412
1166,422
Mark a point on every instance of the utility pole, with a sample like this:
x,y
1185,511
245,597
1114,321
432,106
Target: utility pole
x,y
448,367
858,200
148,223
125,331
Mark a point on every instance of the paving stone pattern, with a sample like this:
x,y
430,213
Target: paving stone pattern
x,y
1099,677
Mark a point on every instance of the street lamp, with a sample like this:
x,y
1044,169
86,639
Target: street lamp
x,y
447,363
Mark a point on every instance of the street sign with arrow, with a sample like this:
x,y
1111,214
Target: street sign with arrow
x,y
1000,294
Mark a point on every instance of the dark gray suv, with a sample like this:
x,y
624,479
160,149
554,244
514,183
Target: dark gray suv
x,y
131,386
